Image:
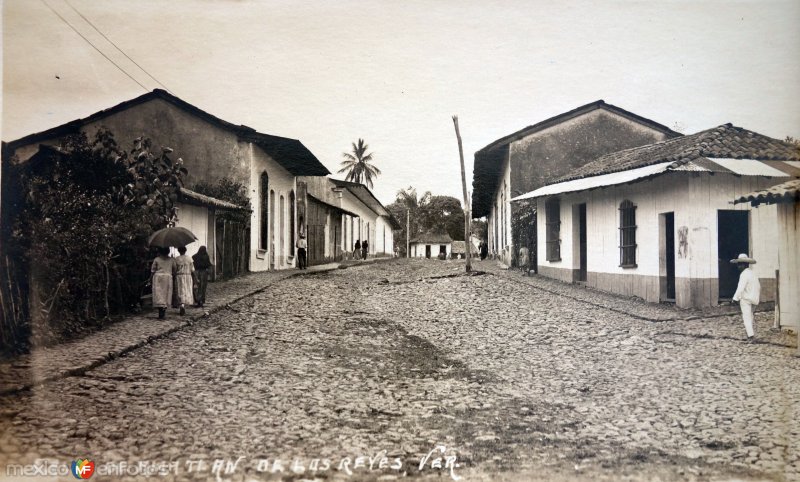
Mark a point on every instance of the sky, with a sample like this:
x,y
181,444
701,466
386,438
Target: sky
x,y
394,73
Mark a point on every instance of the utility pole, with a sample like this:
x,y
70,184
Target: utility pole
x,y
408,227
467,206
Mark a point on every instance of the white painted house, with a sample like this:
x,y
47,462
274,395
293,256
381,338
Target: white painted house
x,y
786,198
430,245
656,221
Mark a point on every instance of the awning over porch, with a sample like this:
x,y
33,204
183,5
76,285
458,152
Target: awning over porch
x,y
740,167
349,213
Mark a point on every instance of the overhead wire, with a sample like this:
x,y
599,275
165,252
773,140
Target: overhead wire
x,y
94,46
116,46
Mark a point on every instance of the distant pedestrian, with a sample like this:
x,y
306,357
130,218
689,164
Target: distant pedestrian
x,y
748,292
357,249
396,252
202,269
183,270
484,250
364,249
302,262
524,260
161,270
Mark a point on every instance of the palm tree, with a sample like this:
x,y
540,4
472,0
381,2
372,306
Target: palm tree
x,y
416,207
357,165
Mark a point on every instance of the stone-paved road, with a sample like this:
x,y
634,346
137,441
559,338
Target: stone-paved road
x,y
382,364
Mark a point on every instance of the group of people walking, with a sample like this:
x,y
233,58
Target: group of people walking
x,y
361,249
179,281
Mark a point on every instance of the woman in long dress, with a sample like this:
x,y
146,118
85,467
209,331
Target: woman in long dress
x,y
162,281
202,267
184,267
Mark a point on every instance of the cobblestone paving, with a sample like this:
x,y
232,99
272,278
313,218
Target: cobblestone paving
x,y
391,361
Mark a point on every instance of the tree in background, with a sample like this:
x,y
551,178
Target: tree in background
x,y
357,165
231,191
426,212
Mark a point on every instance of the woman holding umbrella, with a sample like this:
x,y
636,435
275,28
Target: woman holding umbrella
x,y
163,266
184,268
162,281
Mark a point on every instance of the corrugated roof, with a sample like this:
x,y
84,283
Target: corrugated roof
x,y
289,153
349,213
488,160
723,142
740,167
787,192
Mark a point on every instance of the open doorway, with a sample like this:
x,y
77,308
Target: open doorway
x,y
733,231
667,256
428,251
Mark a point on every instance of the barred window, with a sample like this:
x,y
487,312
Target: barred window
x,y
553,221
627,234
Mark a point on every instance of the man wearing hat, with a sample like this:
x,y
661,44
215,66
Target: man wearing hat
x,y
748,291
302,262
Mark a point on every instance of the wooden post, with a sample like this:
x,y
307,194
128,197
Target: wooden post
x,y
467,206
408,234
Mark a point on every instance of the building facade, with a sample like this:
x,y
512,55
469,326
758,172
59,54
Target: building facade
x,y
534,156
656,222
211,149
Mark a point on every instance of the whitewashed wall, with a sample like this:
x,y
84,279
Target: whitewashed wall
x,y
501,200
789,263
693,198
418,250
196,219
282,182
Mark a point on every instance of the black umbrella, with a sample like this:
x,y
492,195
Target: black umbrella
x,y
174,236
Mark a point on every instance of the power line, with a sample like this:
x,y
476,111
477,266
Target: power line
x,y
93,46
115,46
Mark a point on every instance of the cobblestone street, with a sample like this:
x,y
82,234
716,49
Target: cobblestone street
x,y
361,373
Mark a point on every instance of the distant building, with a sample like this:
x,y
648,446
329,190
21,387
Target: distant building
x,y
786,198
430,245
536,155
337,213
657,222
459,250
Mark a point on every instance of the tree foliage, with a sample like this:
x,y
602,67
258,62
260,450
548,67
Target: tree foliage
x,y
228,190
87,209
358,164
427,212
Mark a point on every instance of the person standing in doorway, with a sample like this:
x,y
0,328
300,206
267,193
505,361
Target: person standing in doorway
x,y
364,249
184,268
357,249
302,261
162,281
484,250
202,269
748,292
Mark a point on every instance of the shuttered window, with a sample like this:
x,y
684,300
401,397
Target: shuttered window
x,y
627,234
553,221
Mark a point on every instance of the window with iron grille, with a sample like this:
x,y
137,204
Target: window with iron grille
x,y
627,234
553,222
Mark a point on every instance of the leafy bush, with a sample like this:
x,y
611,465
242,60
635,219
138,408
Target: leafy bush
x,y
231,191
87,210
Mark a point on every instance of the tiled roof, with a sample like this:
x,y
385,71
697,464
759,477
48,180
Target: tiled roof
x,y
786,192
289,153
432,238
192,197
726,141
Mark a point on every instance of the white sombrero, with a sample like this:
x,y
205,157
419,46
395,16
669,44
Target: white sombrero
x,y
743,258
